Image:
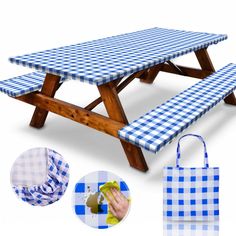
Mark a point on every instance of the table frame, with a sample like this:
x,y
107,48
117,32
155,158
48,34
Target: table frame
x,y
45,102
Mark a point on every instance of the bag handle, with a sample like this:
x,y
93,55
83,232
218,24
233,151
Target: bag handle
x,y
205,150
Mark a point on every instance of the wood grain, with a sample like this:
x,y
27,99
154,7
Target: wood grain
x,y
150,74
73,112
50,86
187,71
116,112
119,88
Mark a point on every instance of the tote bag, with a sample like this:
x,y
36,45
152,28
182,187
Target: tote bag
x,y
191,194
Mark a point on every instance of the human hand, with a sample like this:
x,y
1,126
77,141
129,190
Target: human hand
x,y
118,204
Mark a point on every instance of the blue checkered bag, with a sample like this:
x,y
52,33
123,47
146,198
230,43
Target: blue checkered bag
x,y
191,194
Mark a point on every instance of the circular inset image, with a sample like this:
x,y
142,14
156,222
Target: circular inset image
x,y
40,176
101,199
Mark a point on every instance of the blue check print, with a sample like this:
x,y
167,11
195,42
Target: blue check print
x,y
55,184
191,194
161,125
89,185
103,60
190,228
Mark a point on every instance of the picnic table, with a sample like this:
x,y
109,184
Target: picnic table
x,y
111,64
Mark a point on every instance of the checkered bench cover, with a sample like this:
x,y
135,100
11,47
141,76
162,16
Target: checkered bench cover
x,y
104,60
23,84
162,124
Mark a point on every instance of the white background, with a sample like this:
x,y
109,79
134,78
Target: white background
x,y
29,26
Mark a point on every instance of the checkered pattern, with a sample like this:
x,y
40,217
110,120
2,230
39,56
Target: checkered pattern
x,y
204,145
45,182
30,168
161,125
100,61
191,228
191,194
90,185
23,84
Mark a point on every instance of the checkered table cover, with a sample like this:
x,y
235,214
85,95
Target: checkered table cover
x,y
40,176
24,84
161,125
191,194
100,61
90,184
191,228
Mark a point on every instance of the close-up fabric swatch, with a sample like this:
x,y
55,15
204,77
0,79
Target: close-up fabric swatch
x,y
90,202
40,176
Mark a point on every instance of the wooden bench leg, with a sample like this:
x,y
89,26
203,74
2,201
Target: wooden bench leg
x,y
150,74
206,64
50,86
115,111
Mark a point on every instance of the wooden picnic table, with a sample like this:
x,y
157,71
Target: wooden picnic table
x,y
111,64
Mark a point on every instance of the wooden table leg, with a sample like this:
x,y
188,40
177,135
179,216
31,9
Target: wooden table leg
x,y
50,86
115,111
150,74
206,64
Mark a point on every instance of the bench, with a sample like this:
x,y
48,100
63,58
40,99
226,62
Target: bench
x,y
161,125
23,84
153,130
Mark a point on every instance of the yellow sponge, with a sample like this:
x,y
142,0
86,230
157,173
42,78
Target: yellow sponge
x,y
111,219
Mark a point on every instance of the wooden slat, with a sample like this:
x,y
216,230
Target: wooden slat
x,y
119,88
50,86
204,60
176,68
115,111
150,74
187,71
75,113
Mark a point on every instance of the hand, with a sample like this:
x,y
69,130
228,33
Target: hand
x,y
118,204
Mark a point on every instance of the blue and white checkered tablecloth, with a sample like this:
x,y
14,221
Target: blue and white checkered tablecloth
x,y
88,185
100,61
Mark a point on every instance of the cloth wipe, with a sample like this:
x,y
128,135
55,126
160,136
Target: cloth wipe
x,y
111,219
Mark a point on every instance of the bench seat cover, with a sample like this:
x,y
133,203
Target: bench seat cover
x,y
162,124
23,84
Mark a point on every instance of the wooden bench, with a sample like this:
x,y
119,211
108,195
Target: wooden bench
x,y
23,84
161,125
